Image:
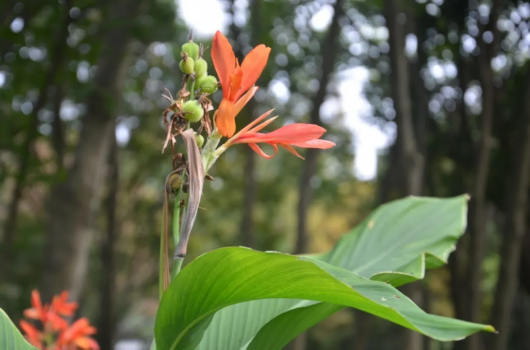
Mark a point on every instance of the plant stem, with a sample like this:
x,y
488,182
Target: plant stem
x,y
209,154
161,254
177,266
177,263
191,88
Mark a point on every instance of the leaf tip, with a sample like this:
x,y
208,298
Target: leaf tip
x,y
491,329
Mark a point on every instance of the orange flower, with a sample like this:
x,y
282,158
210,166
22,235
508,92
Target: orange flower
x,y
73,337
33,335
298,135
77,335
46,315
236,81
38,311
61,305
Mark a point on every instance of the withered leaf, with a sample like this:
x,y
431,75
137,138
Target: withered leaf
x,y
196,181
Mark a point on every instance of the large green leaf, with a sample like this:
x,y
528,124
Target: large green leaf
x,y
426,230
281,329
394,244
230,276
399,240
10,337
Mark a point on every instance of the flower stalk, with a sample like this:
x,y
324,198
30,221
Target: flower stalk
x,y
237,82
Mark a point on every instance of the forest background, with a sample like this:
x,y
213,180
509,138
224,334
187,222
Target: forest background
x,y
425,97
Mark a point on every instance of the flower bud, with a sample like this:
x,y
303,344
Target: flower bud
x,y
200,139
193,111
208,84
174,182
201,66
186,66
191,49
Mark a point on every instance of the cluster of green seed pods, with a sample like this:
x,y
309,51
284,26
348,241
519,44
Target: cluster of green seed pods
x,y
193,64
196,67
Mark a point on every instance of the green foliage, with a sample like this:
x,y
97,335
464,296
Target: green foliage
x,y
10,337
230,276
395,236
401,239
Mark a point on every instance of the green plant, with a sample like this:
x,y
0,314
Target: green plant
x,y
238,298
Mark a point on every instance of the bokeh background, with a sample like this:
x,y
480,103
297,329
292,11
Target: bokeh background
x,y
425,97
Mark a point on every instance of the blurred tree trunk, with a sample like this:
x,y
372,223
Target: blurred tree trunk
x,y
361,334
392,185
73,203
458,259
248,238
411,163
107,308
56,63
330,48
461,150
514,231
58,137
478,217
524,320
524,265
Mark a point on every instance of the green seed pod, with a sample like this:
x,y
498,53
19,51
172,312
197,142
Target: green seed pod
x,y
192,111
191,49
208,84
200,139
187,65
201,66
198,81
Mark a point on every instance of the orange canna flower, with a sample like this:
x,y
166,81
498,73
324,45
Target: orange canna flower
x,y
55,331
298,135
33,335
78,335
236,81
38,311
61,305
46,315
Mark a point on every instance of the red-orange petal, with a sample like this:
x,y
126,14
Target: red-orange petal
x,y
58,323
238,106
260,152
86,343
32,334
79,328
224,60
250,126
289,134
253,65
61,305
292,151
321,144
226,119
32,313
35,299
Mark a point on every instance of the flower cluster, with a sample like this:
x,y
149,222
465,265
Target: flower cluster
x,y
55,332
192,106
238,87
